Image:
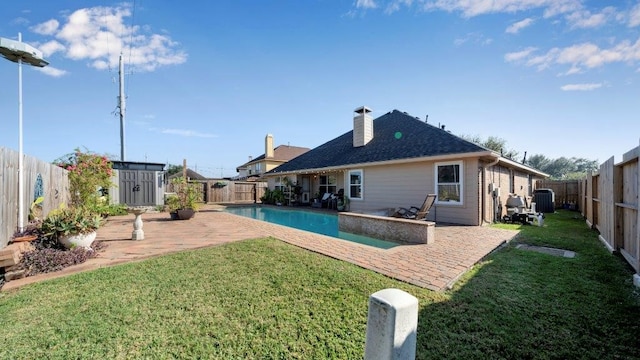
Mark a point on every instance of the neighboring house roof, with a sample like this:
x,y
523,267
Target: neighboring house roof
x,y
397,136
281,153
192,175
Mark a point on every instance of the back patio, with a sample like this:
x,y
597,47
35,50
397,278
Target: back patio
x,y
435,266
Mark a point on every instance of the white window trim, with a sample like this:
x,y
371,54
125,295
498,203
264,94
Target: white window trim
x,y
348,182
328,184
461,182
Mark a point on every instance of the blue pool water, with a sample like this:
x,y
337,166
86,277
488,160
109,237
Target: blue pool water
x,y
319,223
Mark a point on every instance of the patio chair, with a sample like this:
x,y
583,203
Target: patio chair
x,y
417,213
326,198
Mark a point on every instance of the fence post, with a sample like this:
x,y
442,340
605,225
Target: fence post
x,y
392,325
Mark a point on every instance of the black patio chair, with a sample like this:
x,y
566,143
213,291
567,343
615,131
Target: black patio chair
x,y
417,213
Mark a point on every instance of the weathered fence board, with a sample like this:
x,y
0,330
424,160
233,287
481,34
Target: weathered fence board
x,y
225,191
611,205
627,207
589,199
605,220
55,186
235,191
566,192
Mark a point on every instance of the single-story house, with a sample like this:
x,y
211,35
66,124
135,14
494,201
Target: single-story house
x,y
397,159
271,159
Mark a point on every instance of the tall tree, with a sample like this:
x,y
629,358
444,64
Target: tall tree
x,y
560,167
173,169
538,161
494,143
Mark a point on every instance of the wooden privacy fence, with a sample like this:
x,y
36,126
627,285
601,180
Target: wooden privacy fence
x,y
222,191
39,176
610,199
225,191
566,192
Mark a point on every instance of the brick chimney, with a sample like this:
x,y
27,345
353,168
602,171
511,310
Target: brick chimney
x,y
268,146
362,126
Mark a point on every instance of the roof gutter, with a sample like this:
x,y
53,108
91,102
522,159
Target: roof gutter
x,y
386,162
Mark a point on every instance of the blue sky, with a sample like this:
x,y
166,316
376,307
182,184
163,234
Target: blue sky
x,y
206,82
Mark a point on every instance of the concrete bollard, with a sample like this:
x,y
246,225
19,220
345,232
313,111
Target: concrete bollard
x,y
392,325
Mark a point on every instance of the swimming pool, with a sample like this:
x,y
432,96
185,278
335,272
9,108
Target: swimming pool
x,y
317,222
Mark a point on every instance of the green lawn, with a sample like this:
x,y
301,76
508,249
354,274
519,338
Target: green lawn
x,y
264,299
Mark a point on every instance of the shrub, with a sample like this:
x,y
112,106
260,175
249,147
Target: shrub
x,y
187,194
88,174
70,221
272,197
106,210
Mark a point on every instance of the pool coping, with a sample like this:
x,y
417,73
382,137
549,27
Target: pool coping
x,y
434,266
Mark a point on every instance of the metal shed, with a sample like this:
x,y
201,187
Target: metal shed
x,y
138,183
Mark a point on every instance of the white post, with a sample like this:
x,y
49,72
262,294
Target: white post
x,y
392,325
20,151
122,105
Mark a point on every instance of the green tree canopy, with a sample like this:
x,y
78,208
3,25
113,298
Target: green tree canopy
x,y
560,168
173,169
494,143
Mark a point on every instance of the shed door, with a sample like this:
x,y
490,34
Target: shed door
x,y
137,187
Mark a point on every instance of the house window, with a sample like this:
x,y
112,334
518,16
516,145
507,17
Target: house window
x,y
355,184
328,184
449,182
258,168
279,185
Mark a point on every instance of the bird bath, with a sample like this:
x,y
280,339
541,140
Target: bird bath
x,y
138,233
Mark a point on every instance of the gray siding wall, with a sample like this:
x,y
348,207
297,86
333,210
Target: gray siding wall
x,y
405,185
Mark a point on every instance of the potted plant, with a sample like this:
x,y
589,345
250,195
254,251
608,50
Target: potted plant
x,y
173,204
185,202
343,203
72,226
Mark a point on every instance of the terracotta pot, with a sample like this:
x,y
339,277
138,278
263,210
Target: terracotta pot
x,y
83,240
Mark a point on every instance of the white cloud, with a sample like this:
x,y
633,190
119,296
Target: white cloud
x,y
474,37
51,47
585,55
634,16
46,28
519,55
51,71
471,8
186,133
395,5
574,70
99,34
366,4
516,27
585,19
580,87
20,21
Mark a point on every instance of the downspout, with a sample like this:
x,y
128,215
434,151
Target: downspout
x,y
484,187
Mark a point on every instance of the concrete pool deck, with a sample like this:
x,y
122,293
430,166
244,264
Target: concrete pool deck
x,y
434,266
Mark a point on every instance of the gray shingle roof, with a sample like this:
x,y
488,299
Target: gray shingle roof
x,y
397,135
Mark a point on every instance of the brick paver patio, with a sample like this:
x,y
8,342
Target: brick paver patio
x,y
435,266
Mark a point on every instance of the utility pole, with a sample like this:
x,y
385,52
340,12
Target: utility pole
x,y
121,105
